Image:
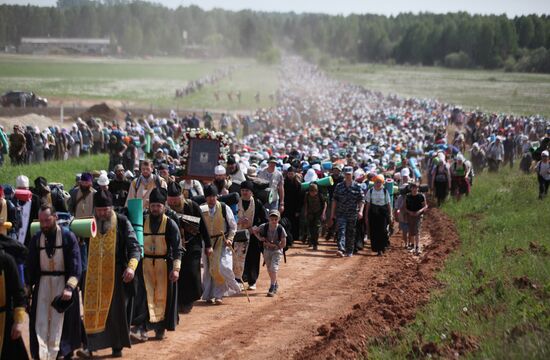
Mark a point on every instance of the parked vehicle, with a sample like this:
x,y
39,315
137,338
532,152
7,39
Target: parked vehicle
x,y
22,99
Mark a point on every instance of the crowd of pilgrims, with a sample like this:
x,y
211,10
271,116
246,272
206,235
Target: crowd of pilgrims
x,y
331,159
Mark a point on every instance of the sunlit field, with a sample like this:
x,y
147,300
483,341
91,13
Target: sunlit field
x,y
493,91
144,82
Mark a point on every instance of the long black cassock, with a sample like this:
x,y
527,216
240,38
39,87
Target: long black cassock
x,y
105,303
12,305
156,298
252,261
44,264
190,283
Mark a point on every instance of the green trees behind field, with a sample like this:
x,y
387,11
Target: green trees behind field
x,y
141,28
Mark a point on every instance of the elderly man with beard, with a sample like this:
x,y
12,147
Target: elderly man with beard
x,y
53,272
251,213
218,279
113,256
193,235
81,205
158,272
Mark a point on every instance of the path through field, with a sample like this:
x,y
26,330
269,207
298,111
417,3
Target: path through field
x,y
327,307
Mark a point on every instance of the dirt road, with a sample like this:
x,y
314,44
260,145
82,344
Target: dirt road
x,y
328,307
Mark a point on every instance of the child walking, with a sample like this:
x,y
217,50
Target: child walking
x,y
273,237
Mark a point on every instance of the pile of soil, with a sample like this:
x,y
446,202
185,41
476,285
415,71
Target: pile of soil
x,y
102,111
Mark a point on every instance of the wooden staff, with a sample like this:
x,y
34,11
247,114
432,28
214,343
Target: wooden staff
x,y
222,235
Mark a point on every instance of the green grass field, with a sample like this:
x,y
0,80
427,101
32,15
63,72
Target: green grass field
x,y
54,171
137,81
494,91
500,275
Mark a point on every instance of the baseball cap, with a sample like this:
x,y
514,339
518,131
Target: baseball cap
x,y
275,213
544,153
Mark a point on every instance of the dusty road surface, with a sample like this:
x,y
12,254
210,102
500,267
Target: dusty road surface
x,y
328,307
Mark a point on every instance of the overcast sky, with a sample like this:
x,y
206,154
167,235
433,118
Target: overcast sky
x,y
385,7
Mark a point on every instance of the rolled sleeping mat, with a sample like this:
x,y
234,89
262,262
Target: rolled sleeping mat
x,y
84,228
135,215
326,181
147,143
5,142
417,174
23,195
326,165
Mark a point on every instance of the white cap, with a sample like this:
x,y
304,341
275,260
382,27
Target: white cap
x,y
219,170
22,182
544,153
405,172
358,173
103,180
316,167
286,166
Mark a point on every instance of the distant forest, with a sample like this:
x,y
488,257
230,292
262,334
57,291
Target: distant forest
x,y
458,40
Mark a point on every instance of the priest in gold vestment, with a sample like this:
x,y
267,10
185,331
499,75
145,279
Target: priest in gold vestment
x,y
113,256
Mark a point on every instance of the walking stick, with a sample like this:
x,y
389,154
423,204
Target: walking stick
x,y
235,255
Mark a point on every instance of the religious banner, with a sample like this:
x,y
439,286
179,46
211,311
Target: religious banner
x,y
202,151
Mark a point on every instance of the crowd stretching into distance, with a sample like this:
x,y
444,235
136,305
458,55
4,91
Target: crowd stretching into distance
x,y
331,159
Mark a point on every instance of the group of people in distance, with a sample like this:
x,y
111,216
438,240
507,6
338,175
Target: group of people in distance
x,y
330,160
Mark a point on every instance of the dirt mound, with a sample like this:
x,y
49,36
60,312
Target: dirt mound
x,y
392,303
104,112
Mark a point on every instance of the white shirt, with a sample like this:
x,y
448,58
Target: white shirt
x,y
378,197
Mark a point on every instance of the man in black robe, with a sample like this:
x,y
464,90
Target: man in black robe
x,y
193,236
108,326
252,261
158,272
12,309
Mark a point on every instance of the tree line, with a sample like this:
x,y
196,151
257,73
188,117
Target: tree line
x,y
458,40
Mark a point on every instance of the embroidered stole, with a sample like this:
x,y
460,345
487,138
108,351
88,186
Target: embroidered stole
x,y
49,323
155,269
100,279
242,247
